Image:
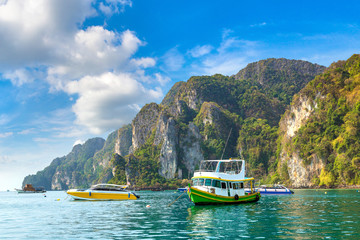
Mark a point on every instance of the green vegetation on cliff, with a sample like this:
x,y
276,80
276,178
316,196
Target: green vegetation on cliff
x,y
73,169
333,131
257,139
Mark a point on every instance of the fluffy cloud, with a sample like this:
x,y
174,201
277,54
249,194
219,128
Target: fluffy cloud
x,y
94,65
109,100
79,141
199,51
30,29
109,7
228,58
19,76
95,51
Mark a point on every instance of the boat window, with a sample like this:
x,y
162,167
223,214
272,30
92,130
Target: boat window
x,y
223,185
241,185
216,183
195,181
208,166
233,167
201,181
208,182
235,185
230,186
107,187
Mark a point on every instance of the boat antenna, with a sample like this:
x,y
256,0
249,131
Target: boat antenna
x,y
240,153
225,144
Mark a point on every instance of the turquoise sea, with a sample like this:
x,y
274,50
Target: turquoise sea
x,y
307,214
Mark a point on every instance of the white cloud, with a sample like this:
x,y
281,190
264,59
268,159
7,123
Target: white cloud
x,y
109,7
199,51
31,29
79,141
228,58
107,101
5,135
144,62
95,64
227,64
262,24
4,119
162,79
19,77
27,131
95,51
5,160
173,60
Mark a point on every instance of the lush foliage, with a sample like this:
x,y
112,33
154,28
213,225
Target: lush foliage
x,y
258,143
333,132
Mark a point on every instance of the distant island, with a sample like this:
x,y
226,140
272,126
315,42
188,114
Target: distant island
x,y
295,122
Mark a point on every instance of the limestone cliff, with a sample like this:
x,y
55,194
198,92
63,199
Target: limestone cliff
x,y
143,124
321,131
69,170
299,174
123,140
166,136
190,145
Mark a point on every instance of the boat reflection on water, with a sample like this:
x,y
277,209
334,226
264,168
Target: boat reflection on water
x,y
218,221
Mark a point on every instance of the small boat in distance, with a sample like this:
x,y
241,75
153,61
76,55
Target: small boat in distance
x,y
103,192
271,189
30,189
221,182
182,189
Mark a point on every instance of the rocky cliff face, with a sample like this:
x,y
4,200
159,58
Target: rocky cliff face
x,y
300,175
190,146
143,124
70,172
270,72
166,136
320,133
124,140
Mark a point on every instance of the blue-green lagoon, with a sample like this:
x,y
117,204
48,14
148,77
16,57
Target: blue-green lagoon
x,y
307,214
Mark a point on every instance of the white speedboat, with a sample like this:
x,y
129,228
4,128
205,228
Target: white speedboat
x,y
272,189
103,192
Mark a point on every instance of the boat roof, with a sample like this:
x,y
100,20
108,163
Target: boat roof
x,y
224,179
108,185
224,160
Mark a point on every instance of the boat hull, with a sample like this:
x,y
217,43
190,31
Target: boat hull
x,y
199,197
101,195
24,191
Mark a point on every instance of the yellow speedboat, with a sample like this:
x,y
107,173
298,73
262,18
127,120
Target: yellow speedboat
x,y
103,192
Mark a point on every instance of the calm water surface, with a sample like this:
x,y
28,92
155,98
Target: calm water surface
x,y
308,214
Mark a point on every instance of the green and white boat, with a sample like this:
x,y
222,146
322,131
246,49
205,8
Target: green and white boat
x,y
221,182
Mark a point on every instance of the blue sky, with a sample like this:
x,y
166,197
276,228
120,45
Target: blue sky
x,y
72,70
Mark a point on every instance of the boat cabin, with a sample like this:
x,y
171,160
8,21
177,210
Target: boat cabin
x,y
108,187
222,177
